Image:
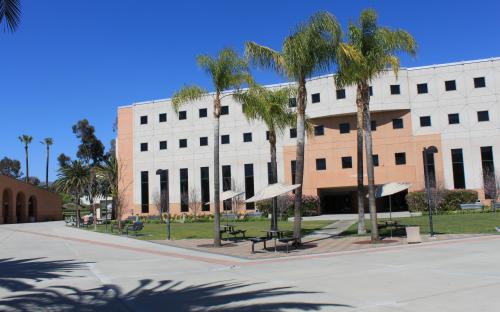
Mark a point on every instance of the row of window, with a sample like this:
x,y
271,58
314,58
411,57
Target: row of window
x,y
454,118
399,159
202,113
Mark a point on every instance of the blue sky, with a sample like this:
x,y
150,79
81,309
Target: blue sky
x,y
82,59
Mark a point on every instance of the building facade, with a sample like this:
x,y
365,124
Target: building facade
x,y
23,202
455,107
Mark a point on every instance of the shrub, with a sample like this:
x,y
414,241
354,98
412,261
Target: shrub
x,y
449,200
416,201
311,206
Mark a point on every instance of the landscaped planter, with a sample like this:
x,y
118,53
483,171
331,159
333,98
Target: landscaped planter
x,y
413,235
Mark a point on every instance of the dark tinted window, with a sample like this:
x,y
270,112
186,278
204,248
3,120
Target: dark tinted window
x,y
144,192
202,112
267,135
453,119
489,178
224,139
226,185
483,116
375,160
247,137
425,121
457,161
292,102
431,169
344,127
182,115
400,158
340,94
249,185
162,117
224,110
293,133
397,123
183,143
479,82
315,98
370,90
450,85
184,188
144,120
203,141
373,125
422,88
144,147
346,162
205,188
163,145
293,169
320,164
395,89
319,130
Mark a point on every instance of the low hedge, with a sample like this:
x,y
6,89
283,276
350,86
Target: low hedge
x,y
311,206
445,200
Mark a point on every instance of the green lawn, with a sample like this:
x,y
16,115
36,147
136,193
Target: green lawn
x,y
467,223
205,229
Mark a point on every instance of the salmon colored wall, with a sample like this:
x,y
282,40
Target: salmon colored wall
x,y
48,205
386,141
125,157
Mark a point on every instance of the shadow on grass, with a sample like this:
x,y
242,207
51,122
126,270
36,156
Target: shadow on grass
x,y
148,295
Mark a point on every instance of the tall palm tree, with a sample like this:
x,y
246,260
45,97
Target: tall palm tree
x,y
227,71
308,50
107,174
370,50
26,140
73,179
10,11
47,142
271,107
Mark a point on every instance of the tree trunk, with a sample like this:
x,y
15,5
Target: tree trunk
x,y
299,159
217,237
361,187
27,163
47,169
369,163
274,177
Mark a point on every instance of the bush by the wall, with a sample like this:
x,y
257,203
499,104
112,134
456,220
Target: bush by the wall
x,y
311,206
416,201
449,200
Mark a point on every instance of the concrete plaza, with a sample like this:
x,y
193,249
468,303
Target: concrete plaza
x,y
47,266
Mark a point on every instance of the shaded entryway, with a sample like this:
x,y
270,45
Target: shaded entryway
x,y
7,206
20,207
32,207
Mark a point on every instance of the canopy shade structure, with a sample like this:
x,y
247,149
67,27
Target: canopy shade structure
x,y
229,194
272,191
390,189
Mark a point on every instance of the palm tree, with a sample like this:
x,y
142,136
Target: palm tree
x,y
107,175
227,71
47,142
369,51
270,107
10,10
310,49
26,140
73,179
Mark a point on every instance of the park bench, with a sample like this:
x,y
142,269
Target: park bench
x,y
472,206
289,240
236,232
256,240
134,227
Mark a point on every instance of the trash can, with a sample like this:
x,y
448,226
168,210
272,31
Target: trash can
x,y
413,235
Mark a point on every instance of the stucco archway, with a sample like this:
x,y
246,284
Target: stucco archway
x,y
20,207
32,209
7,206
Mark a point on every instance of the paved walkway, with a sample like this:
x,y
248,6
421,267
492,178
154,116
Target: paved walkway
x,y
354,216
48,267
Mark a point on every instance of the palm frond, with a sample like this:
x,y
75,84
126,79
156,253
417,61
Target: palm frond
x,y
187,94
265,57
10,11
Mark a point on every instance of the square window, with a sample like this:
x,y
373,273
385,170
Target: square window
x,y
203,141
224,139
144,120
400,158
162,117
247,137
397,123
293,133
425,121
163,145
479,82
395,89
373,125
319,130
315,98
183,143
483,116
346,162
292,102
144,147
267,135
375,160
370,90
182,115
450,85
345,127
321,164
422,88
453,119
340,94
224,110
202,112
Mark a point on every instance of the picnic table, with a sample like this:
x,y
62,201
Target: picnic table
x,y
275,235
229,228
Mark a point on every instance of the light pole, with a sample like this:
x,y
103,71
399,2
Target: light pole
x,y
164,196
425,153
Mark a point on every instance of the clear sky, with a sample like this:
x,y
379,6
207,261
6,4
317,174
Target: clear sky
x,y
82,59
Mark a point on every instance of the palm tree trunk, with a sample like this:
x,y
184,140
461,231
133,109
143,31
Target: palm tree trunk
x,y
361,187
47,169
27,163
217,237
274,177
369,164
299,159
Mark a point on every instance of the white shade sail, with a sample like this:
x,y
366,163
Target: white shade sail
x,y
391,188
272,191
229,194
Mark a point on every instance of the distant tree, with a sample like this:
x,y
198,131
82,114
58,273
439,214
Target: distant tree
x,y
47,142
10,12
34,181
26,140
195,201
90,148
63,160
491,186
160,201
10,167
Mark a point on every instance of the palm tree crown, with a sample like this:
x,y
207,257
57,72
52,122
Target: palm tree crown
x,y
10,11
